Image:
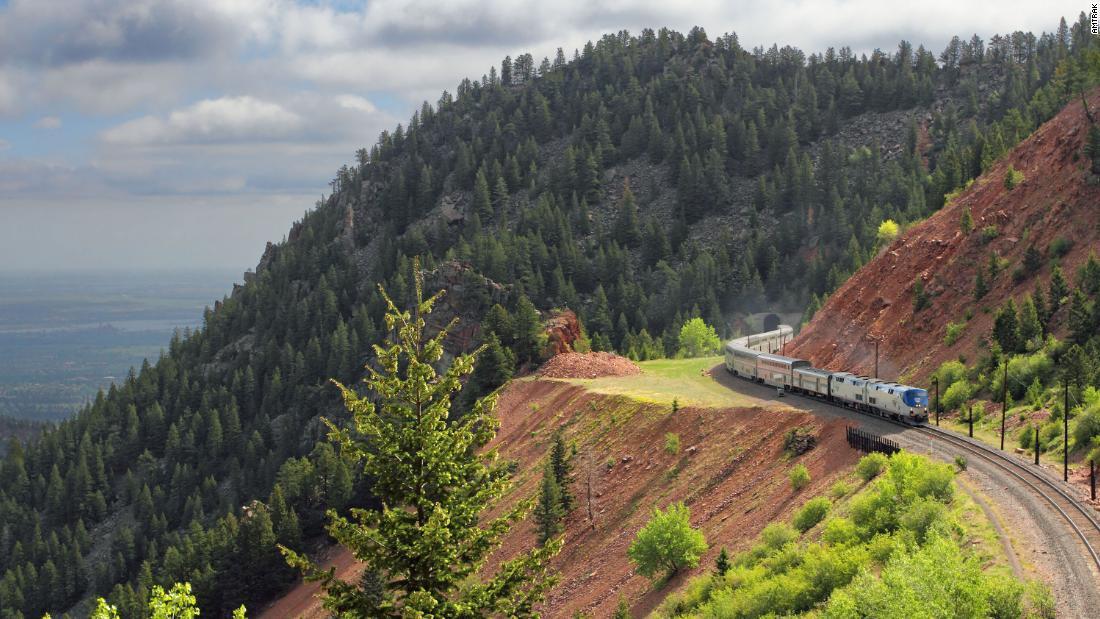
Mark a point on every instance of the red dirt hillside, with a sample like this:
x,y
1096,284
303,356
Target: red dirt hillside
x,y
1054,200
730,470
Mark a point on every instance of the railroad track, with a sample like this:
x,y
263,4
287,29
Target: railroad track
x,y
1080,517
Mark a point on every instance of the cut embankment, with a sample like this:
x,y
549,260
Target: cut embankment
x,y
730,469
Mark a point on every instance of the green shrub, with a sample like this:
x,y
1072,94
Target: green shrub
x,y
954,331
812,512
956,395
672,443
1088,427
839,531
989,233
777,535
921,516
960,462
799,476
840,489
1060,246
871,465
667,543
1013,177
949,373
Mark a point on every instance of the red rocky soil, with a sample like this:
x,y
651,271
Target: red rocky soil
x,y
1056,199
730,470
588,365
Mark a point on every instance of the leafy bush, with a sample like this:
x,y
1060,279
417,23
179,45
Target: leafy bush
x,y
956,395
800,477
777,535
1013,177
1060,246
960,462
949,373
989,233
839,531
871,465
672,443
921,516
839,489
1087,428
667,543
813,512
698,339
887,231
954,331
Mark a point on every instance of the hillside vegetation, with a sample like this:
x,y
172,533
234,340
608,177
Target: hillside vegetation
x,y
647,180
903,545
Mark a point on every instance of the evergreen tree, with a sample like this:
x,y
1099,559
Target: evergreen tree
x,y
549,511
627,230
561,464
722,563
483,204
1006,328
428,538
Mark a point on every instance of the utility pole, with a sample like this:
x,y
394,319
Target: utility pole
x,y
971,420
936,385
1036,445
1004,404
1065,431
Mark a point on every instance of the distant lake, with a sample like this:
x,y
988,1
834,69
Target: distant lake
x,y
65,335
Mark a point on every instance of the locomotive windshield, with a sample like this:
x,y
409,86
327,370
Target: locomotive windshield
x,y
916,397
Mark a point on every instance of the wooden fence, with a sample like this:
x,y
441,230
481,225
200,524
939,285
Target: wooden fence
x,y
867,442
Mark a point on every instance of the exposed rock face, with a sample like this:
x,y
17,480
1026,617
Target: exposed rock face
x,y
469,296
562,331
1056,200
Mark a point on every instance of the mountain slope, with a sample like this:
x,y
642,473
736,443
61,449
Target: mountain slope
x,y
1054,211
512,192
731,471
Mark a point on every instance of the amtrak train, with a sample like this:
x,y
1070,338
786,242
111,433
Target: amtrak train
x,y
756,357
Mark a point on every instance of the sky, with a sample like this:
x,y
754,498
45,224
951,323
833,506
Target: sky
x,y
178,134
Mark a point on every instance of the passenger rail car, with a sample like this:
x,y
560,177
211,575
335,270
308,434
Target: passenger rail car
x,y
753,357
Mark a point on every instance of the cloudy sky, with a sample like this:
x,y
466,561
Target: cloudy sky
x,y
186,133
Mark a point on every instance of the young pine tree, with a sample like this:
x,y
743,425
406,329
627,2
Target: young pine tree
x,y
549,511
434,483
562,466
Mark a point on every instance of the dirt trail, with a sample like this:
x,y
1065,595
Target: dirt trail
x,y
1055,201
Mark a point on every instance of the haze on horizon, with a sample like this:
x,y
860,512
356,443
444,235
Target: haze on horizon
x,y
172,134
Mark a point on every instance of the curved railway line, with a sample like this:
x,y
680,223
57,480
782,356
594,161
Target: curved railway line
x,y
1079,517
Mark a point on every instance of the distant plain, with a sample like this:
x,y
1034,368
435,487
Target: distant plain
x,y
65,335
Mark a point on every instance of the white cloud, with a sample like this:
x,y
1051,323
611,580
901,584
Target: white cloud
x,y
48,122
260,100
227,119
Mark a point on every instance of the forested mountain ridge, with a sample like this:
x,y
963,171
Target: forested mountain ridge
x,y
195,465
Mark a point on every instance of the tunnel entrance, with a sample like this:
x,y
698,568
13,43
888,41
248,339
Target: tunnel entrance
x,y
771,322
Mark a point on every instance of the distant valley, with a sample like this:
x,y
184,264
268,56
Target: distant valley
x,y
64,336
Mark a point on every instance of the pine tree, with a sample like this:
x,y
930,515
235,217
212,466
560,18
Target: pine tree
x,y
1006,328
1059,289
429,538
549,511
627,230
980,287
562,465
483,204
1030,326
722,563
1080,318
